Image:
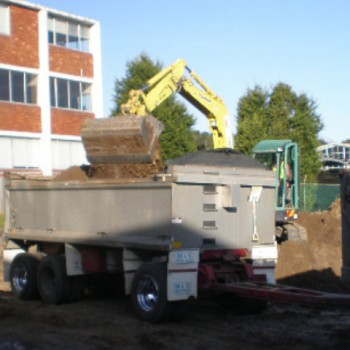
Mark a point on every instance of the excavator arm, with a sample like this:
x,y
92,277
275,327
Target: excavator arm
x,y
157,90
211,105
133,136
174,79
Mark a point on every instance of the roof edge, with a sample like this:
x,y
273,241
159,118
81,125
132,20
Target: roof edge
x,y
38,7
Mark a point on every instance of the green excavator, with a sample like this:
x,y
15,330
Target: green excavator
x,y
283,157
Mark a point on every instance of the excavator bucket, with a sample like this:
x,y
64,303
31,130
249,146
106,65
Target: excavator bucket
x,y
123,139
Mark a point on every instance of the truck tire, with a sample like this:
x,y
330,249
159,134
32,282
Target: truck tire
x,y
53,283
149,293
23,276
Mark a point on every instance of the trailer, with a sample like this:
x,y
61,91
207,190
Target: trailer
x,y
205,225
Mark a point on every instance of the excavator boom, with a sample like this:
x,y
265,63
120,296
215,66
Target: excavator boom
x,y
133,137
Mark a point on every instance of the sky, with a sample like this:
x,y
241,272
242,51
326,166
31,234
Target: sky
x,y
233,46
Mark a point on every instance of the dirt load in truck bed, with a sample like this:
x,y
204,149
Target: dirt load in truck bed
x,y
110,171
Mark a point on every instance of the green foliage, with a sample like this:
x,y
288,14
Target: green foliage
x,y
280,114
177,137
251,119
204,140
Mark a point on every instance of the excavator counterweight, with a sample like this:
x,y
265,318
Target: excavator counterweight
x,y
123,139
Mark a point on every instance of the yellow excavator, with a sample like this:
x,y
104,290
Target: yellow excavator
x,y
133,136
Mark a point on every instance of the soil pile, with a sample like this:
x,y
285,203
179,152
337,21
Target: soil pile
x,y
74,173
110,171
315,263
125,171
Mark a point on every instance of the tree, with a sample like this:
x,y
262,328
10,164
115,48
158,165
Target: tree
x,y
204,140
177,137
280,114
251,120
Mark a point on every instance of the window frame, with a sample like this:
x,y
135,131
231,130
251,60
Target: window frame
x,y
83,41
25,79
5,9
82,86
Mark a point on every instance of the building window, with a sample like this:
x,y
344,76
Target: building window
x,y
72,35
18,86
19,153
5,27
4,85
70,94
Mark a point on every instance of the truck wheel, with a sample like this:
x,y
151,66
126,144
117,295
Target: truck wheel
x,y
53,283
23,272
149,292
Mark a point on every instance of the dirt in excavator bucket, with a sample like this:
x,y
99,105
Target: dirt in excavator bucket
x,y
123,139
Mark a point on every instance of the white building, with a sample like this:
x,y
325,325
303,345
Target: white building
x,y
50,82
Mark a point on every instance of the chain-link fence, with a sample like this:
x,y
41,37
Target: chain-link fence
x,y
314,197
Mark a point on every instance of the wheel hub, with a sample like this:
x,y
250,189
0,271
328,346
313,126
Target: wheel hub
x,y
147,293
20,278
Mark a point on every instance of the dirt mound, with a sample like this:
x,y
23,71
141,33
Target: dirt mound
x,y
124,171
74,173
110,171
315,263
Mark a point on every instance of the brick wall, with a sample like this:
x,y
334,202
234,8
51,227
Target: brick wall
x,y
20,117
21,48
63,60
65,122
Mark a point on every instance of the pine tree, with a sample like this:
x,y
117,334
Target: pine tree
x,y
251,119
280,114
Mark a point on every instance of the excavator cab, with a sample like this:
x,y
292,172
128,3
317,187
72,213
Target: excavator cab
x,y
282,156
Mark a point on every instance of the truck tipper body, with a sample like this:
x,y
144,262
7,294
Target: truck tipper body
x,y
206,204
205,225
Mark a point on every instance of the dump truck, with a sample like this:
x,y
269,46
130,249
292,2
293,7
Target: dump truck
x,y
207,222
205,225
